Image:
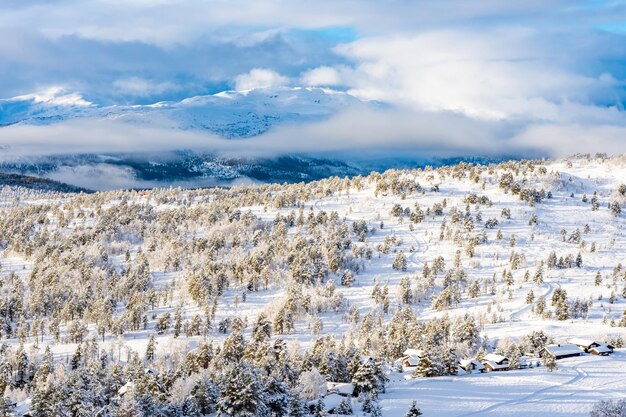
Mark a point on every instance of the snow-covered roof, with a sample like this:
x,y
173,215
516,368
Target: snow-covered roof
x,y
563,349
601,349
494,357
411,360
417,353
583,342
343,388
467,363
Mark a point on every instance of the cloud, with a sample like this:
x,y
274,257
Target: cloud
x,y
561,140
88,136
357,133
103,176
325,76
482,77
494,73
259,78
140,87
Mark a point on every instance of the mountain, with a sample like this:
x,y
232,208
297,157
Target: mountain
x,y
230,114
240,115
36,183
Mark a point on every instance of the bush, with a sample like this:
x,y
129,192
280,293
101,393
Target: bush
x,y
608,408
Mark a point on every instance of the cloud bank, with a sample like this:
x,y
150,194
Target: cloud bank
x,y
457,78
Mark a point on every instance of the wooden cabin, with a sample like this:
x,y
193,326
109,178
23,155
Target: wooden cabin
x,y
560,351
593,347
494,362
471,365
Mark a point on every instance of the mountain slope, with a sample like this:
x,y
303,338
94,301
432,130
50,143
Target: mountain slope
x,y
231,114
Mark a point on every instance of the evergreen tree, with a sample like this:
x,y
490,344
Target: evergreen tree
x,y
413,411
400,262
150,348
365,379
178,321
242,394
549,362
296,407
344,408
347,279
424,368
42,401
205,394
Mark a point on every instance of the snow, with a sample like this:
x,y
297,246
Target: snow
x,y
493,357
230,113
342,388
579,341
571,390
561,350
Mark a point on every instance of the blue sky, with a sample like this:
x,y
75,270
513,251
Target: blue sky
x,y
534,65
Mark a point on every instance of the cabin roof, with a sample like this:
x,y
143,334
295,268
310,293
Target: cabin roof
x,y
583,342
563,349
494,357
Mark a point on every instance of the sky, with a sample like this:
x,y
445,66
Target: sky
x,y
456,76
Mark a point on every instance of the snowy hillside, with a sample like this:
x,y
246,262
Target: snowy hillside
x,y
231,114
248,301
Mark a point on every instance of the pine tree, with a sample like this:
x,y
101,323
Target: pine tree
x,y
424,368
150,348
474,289
540,306
405,293
129,407
296,407
413,411
347,279
365,379
242,394
178,321
42,401
47,364
262,329
549,362
344,408
400,262
205,395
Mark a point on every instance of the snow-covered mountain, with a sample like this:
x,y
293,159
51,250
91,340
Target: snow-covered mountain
x,y
231,114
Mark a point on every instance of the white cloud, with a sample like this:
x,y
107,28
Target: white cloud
x,y
466,75
325,76
497,73
139,87
259,78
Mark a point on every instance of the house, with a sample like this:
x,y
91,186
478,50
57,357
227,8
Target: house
x,y
345,389
494,362
593,347
410,358
560,351
471,365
